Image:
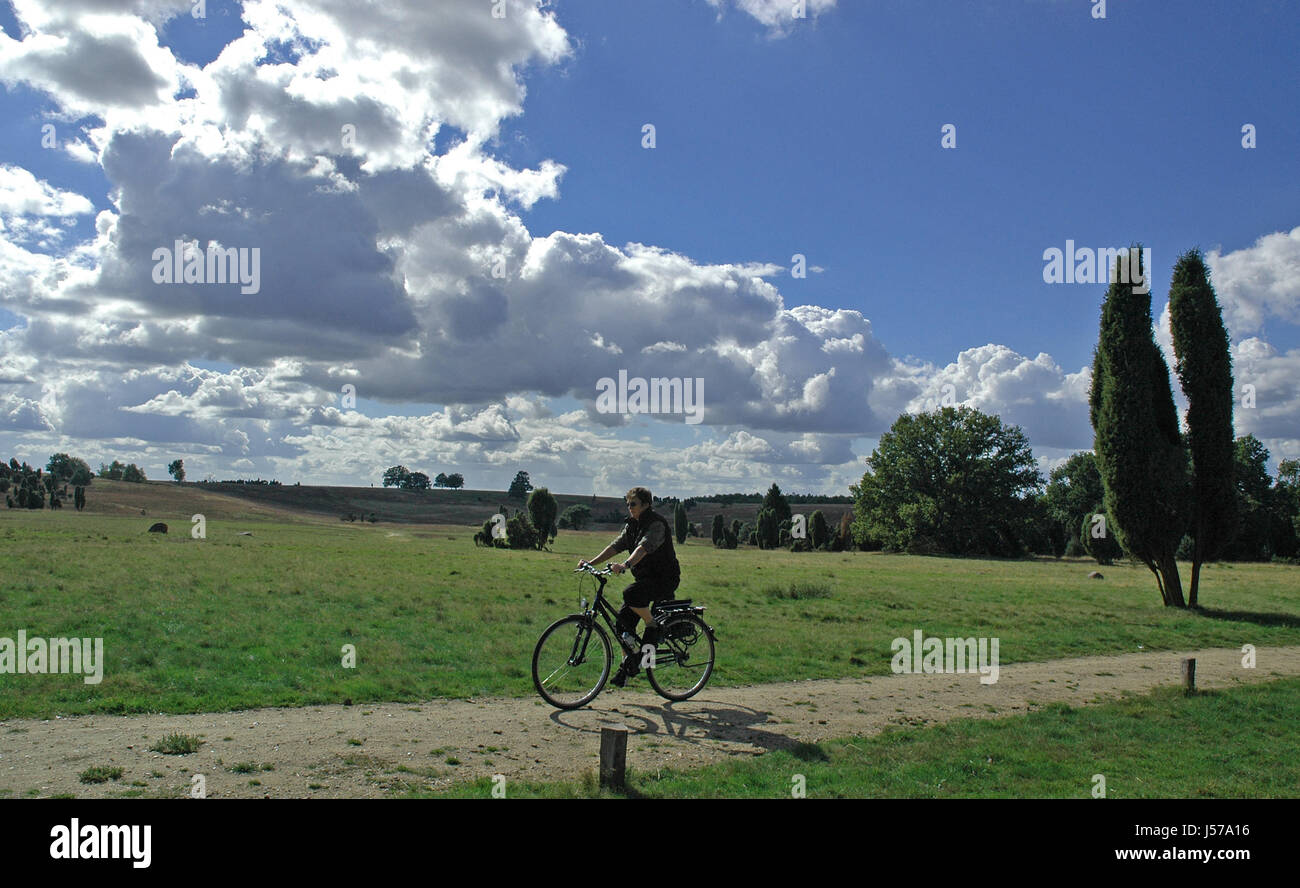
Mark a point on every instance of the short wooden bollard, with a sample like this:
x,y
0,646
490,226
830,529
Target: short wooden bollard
x,y
1189,676
613,756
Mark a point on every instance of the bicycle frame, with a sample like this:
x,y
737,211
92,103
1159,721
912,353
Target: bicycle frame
x,y
602,607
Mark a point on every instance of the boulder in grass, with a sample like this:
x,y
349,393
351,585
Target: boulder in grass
x,y
1096,575
158,528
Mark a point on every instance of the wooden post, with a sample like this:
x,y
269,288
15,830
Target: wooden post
x,y
1189,676
613,756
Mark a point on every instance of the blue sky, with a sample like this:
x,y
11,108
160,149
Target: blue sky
x,y
828,143
521,137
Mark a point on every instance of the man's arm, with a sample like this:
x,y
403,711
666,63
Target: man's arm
x,y
605,553
617,546
635,557
653,539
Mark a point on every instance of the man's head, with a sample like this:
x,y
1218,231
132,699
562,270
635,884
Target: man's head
x,y
636,501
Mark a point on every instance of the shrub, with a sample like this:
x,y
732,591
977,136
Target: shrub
x,y
520,533
177,744
542,509
576,517
798,591
1106,548
99,774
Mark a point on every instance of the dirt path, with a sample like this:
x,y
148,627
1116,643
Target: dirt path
x,y
371,750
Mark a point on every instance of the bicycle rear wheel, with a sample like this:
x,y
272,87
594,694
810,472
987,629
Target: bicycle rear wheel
x,y
683,658
571,662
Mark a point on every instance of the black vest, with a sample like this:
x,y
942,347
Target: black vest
x,y
662,562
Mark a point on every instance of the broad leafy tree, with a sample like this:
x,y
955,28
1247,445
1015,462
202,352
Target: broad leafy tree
x,y
955,480
63,467
176,468
1267,517
520,486
1288,492
395,475
575,517
1073,491
415,481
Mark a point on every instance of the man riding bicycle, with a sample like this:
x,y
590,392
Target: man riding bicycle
x,y
653,563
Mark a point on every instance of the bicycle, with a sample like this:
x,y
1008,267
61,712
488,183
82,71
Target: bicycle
x,y
569,673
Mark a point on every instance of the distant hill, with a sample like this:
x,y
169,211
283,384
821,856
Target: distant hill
x,y
473,507
166,500
469,508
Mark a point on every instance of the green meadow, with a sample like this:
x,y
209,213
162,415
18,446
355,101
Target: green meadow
x,y
233,621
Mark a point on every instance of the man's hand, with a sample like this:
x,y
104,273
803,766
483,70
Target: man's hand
x,y
617,568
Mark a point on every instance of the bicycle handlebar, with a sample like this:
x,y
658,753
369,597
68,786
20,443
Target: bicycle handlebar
x,y
590,568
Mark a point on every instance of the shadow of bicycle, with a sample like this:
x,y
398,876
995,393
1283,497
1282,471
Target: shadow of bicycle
x,y
692,721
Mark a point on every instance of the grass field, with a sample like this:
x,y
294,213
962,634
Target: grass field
x,y
240,621
1238,743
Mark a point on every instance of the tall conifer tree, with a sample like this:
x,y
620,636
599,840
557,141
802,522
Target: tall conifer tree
x,y
1140,453
1204,366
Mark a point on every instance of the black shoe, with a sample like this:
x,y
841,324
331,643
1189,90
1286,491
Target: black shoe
x,y
651,635
620,678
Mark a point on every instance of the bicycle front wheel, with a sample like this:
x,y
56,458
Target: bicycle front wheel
x,y
683,659
571,662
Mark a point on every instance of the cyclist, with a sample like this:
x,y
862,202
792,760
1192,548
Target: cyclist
x,y
653,563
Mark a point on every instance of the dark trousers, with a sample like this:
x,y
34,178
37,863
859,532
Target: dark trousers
x,y
640,594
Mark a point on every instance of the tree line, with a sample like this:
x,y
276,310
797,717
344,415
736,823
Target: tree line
x,y
404,479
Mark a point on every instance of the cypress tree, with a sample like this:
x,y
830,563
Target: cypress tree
x,y
680,524
776,501
768,530
1204,367
717,532
1139,451
817,530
